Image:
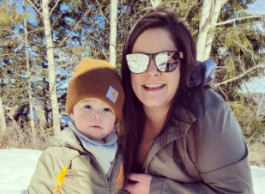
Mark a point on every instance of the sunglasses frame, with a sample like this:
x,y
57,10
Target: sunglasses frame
x,y
152,56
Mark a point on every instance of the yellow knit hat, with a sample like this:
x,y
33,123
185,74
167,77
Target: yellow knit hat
x,y
96,79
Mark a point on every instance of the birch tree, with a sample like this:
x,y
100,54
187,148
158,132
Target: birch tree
x,y
2,117
28,74
113,32
155,3
51,67
209,15
210,12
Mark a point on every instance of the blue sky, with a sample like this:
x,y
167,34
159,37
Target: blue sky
x,y
257,84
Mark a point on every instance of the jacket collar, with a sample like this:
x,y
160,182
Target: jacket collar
x,y
177,130
66,138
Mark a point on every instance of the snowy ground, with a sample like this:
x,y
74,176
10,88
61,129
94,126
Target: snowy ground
x,y
18,165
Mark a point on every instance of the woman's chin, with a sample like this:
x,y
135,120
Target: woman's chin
x,y
154,103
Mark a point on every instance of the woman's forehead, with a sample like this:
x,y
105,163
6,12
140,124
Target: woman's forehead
x,y
154,41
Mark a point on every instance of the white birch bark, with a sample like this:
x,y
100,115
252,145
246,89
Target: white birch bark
x,y
29,77
113,32
203,29
209,15
155,3
2,117
50,57
209,41
260,107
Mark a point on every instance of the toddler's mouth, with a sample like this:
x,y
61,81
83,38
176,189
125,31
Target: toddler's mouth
x,y
96,127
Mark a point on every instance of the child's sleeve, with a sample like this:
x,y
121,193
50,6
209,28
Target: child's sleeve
x,y
50,171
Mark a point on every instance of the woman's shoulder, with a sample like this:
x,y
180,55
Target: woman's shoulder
x,y
214,115
205,100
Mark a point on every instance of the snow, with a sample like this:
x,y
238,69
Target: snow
x,y
16,169
258,176
18,165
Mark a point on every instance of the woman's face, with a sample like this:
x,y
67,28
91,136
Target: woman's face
x,y
154,88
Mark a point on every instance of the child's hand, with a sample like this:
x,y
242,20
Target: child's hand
x,y
142,185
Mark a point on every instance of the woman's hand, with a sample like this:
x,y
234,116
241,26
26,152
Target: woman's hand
x,y
142,185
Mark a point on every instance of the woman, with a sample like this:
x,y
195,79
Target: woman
x,y
179,137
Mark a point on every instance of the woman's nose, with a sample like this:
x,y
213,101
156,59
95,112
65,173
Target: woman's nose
x,y
97,116
152,69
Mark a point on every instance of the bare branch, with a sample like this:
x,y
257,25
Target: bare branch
x,y
221,67
192,5
56,20
99,41
5,29
239,76
60,44
225,96
17,35
248,51
236,19
66,64
101,10
54,6
34,7
36,30
12,54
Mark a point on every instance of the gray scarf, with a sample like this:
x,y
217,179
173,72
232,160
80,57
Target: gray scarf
x,y
103,152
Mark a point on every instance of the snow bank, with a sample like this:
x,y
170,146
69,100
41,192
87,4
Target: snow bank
x,y
18,165
16,169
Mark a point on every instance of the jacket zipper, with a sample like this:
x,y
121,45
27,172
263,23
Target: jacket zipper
x,y
106,180
112,169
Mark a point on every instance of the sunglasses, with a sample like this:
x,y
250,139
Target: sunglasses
x,y
166,61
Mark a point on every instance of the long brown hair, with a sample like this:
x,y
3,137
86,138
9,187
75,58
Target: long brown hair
x,y
133,113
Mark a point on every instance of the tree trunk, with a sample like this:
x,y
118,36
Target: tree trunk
x,y
113,32
203,29
209,41
28,73
50,56
155,3
209,15
2,117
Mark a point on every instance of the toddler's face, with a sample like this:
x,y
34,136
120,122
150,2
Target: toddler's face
x,y
93,118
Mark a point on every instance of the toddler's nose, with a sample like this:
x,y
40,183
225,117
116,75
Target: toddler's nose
x,y
97,116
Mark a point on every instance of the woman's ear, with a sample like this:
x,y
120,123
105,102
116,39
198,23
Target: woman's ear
x,y
116,128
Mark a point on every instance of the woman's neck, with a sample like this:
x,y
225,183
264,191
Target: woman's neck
x,y
155,117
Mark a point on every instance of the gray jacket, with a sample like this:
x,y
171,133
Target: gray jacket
x,y
223,165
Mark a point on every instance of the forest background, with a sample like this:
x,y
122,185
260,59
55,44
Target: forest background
x,y
41,41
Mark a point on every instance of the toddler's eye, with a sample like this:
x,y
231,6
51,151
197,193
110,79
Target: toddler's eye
x,y
88,107
107,110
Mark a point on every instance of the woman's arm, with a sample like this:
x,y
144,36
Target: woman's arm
x,y
223,158
233,179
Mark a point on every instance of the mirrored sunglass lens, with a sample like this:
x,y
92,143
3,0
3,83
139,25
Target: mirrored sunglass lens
x,y
167,61
161,61
137,62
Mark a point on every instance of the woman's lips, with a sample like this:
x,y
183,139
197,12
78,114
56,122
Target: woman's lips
x,y
153,87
